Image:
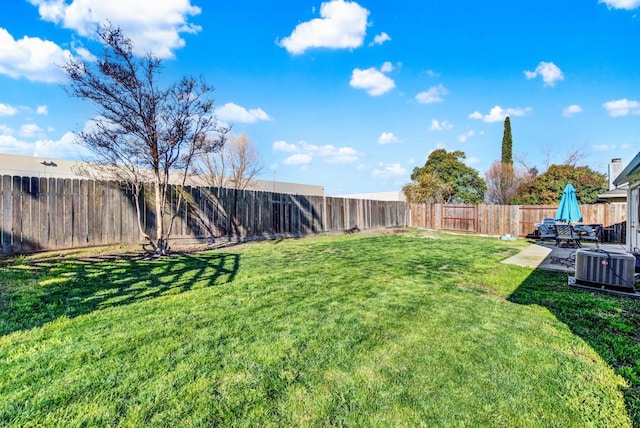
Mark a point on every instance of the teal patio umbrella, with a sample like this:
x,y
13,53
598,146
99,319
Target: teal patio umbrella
x,y
569,210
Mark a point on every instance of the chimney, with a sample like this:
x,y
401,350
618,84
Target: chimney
x,y
615,168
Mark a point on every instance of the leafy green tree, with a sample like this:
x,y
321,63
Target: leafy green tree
x,y
507,143
427,188
502,178
546,188
467,187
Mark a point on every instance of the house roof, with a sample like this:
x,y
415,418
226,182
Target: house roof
x,y
631,173
614,195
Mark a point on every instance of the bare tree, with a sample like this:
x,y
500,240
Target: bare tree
x,y
143,133
235,166
575,156
503,182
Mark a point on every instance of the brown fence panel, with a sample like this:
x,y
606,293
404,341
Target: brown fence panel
x,y
45,214
6,211
529,216
459,218
335,221
513,219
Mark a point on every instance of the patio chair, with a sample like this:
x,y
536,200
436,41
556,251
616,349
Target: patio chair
x,y
566,233
545,231
588,234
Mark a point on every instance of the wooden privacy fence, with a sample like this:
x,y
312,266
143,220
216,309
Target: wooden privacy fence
x,y
52,213
518,220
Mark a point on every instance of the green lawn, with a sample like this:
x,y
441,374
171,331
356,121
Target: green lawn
x,y
405,329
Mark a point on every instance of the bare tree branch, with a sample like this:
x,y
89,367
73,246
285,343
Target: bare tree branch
x,y
235,166
143,133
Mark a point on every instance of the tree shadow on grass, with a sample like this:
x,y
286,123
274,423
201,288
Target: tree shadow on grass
x,y
609,324
34,292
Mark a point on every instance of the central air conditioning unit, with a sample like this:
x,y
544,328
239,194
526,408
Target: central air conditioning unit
x,y
602,268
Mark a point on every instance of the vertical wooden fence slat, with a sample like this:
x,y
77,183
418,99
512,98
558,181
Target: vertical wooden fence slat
x,y
43,215
92,224
25,215
67,213
7,214
17,214
33,236
78,220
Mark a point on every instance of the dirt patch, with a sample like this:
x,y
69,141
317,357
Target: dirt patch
x,y
506,253
388,231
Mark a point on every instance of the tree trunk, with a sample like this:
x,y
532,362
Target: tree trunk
x,y
162,246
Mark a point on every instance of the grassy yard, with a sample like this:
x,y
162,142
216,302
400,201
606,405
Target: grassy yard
x,y
404,329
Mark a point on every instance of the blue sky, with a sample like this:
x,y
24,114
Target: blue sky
x,y
351,95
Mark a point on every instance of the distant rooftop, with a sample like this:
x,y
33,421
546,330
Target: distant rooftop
x,y
28,166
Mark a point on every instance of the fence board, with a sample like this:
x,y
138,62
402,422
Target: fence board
x,y
17,213
43,213
7,214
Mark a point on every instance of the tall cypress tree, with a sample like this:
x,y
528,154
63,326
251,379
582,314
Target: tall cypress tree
x,y
507,143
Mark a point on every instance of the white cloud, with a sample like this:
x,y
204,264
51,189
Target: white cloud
x,y
30,130
389,171
470,161
42,110
298,159
9,144
283,146
153,26
603,147
387,67
387,138
342,24
66,144
549,71
432,95
380,39
44,147
497,114
625,146
440,126
85,54
571,110
7,110
333,154
32,58
371,80
622,107
231,112
5,130
621,4
304,153
464,137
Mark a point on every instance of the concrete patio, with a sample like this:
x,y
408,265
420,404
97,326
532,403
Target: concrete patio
x,y
546,255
